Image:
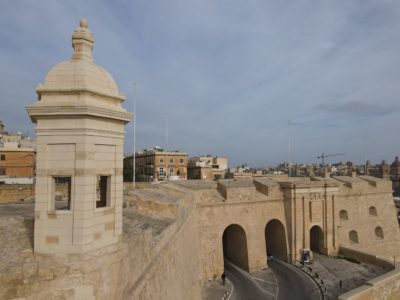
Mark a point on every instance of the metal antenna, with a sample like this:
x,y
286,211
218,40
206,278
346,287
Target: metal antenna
x,y
134,135
365,153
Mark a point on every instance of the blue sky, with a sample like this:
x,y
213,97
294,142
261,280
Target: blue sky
x,y
229,74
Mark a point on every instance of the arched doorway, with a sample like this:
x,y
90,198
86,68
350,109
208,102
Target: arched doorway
x,y
317,239
234,244
275,240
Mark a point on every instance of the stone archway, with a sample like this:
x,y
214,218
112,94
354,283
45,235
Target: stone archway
x,y
317,239
275,240
234,244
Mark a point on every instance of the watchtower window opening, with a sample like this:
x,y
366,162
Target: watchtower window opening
x,y
2,157
103,191
62,193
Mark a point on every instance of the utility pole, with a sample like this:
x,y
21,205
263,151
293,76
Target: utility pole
x,y
166,146
134,135
290,150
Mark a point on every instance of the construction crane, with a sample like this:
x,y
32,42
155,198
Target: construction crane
x,y
323,156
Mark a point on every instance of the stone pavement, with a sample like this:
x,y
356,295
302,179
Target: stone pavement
x,y
333,269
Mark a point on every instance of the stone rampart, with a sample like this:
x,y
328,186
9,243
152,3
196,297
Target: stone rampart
x,y
367,257
385,287
157,259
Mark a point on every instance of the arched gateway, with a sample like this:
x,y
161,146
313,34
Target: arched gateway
x,y
234,244
275,240
317,239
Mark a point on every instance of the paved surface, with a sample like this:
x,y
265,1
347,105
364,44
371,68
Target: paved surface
x,y
280,281
333,269
213,290
244,285
293,283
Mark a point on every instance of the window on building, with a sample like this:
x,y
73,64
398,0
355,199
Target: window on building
x,y
2,157
2,171
343,215
62,193
162,172
103,184
171,160
353,237
161,160
171,171
372,211
181,160
378,233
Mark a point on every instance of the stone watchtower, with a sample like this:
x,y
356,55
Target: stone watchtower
x,y
80,136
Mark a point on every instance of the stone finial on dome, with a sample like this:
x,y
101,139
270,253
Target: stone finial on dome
x,y
82,42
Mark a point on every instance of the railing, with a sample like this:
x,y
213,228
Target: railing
x,y
229,290
315,277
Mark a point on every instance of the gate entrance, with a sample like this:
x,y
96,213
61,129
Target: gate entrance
x,y
275,240
235,246
317,239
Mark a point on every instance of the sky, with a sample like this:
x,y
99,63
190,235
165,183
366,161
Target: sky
x,y
227,76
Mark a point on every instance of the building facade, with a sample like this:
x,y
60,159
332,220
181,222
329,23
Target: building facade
x,y
17,160
207,167
159,165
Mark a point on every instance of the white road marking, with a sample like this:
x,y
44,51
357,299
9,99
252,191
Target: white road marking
x,y
270,282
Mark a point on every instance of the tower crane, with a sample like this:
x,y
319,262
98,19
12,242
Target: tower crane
x,y
323,156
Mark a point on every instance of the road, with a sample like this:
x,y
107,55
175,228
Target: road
x,y
293,284
244,286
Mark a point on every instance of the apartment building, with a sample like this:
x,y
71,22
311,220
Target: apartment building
x,y
158,165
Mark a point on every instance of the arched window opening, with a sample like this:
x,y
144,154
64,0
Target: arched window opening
x,y
378,233
343,215
353,237
372,211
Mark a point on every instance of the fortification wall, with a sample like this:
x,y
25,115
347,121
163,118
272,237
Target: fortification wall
x,y
385,287
157,259
252,217
171,270
365,212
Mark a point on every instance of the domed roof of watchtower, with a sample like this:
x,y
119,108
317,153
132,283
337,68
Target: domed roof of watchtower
x,y
80,73
79,87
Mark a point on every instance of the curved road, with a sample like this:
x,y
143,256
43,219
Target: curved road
x,y
244,286
292,283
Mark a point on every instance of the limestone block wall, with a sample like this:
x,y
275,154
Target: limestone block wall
x,y
168,270
149,263
363,213
253,217
385,287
